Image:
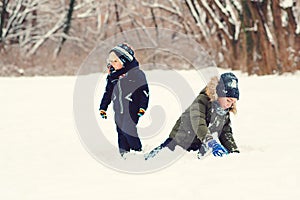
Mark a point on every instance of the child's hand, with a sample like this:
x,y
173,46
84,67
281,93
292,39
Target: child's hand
x,y
141,112
110,68
103,114
217,149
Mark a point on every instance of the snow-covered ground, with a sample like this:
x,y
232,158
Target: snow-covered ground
x,y
42,156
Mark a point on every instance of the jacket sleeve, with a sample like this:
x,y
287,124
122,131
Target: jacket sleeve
x,y
226,137
198,116
107,96
143,91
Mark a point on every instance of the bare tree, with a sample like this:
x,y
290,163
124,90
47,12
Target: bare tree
x,y
251,34
66,26
256,36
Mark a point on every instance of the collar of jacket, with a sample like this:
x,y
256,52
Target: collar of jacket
x,y
130,65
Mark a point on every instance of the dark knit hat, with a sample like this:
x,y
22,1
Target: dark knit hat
x,y
124,52
228,86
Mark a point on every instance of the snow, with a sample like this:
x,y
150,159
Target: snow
x,y
295,4
286,3
269,34
296,11
43,157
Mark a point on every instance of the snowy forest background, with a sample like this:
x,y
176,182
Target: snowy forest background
x,y
41,37
42,153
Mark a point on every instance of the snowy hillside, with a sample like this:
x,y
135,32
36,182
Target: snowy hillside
x,y
43,153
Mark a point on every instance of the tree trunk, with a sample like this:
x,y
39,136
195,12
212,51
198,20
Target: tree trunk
x,y
3,18
261,56
294,42
67,26
248,43
269,59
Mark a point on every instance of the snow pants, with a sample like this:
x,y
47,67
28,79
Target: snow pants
x,y
171,144
128,138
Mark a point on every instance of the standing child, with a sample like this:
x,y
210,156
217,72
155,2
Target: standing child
x,y
128,89
208,115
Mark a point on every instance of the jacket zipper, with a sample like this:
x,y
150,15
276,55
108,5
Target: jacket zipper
x,y
120,97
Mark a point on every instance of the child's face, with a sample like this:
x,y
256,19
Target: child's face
x,y
116,64
226,102
114,61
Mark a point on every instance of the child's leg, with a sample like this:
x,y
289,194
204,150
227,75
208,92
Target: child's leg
x,y
133,139
129,131
194,146
122,141
170,143
199,147
167,143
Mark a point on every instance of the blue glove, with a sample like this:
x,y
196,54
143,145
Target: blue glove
x,y
103,114
141,112
217,149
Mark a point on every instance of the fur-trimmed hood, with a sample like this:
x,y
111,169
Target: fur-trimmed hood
x,y
211,92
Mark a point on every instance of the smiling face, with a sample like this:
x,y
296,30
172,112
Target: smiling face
x,y
115,61
226,102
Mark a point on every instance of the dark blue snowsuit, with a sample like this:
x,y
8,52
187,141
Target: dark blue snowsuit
x,y
128,89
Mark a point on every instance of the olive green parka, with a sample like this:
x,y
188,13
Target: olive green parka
x,y
200,120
